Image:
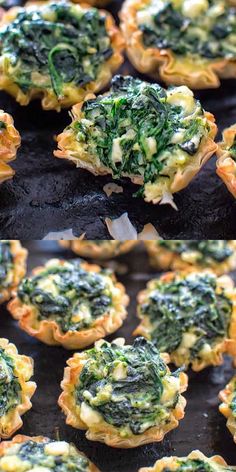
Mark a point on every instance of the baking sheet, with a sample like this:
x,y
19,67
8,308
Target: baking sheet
x,y
49,194
203,426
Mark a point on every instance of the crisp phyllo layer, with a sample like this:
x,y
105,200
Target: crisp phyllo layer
x,y
98,248
158,138
192,317
226,159
9,142
71,303
194,462
12,267
123,395
179,254
41,454
15,388
228,405
57,51
181,42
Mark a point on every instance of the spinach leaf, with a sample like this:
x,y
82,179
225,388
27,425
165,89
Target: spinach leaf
x,y
6,264
74,297
10,389
133,401
191,304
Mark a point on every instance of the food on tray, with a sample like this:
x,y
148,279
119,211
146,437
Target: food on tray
x,y
158,138
190,42
228,405
190,316
180,254
12,267
226,159
98,248
16,389
57,51
9,142
71,303
123,395
194,462
40,454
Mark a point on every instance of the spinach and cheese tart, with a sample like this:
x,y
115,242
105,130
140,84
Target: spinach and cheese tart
x,y
9,143
123,395
98,248
190,42
71,303
194,462
40,454
179,254
158,138
190,316
228,405
57,51
12,267
226,159
16,389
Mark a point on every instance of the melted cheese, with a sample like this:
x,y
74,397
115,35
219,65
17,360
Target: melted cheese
x,y
89,416
57,448
194,8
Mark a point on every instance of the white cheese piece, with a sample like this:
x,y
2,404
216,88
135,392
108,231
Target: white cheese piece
x,y
194,8
116,153
57,448
119,341
182,96
89,416
152,145
120,371
11,464
188,340
206,350
47,284
171,386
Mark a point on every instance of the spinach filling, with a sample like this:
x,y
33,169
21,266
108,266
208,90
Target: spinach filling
x,y
60,41
210,35
131,401
68,294
2,125
233,150
132,130
191,305
192,465
206,251
10,389
33,454
6,263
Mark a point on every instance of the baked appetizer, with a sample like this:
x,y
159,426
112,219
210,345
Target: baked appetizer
x,y
192,317
226,159
15,388
158,138
228,407
124,396
12,267
9,142
71,303
98,248
179,254
57,51
41,454
194,462
181,42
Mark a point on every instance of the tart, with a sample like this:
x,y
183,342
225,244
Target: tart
x,y
179,254
190,42
12,267
158,138
16,389
9,142
122,395
190,316
58,52
226,159
41,454
194,462
228,405
71,303
99,248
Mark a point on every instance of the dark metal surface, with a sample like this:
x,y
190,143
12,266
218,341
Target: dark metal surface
x,y
48,194
203,426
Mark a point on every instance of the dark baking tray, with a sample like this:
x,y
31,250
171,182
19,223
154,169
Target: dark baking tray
x,y
203,426
48,194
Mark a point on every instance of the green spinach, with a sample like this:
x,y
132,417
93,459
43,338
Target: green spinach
x,y
10,389
6,263
206,250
